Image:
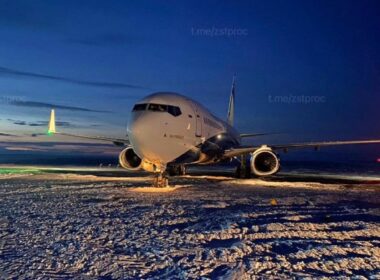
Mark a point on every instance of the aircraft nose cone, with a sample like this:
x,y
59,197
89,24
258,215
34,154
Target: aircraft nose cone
x,y
146,135
137,130
149,134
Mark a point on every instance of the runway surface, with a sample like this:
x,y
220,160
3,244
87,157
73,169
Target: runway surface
x,y
58,223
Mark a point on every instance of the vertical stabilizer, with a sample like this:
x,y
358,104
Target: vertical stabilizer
x,y
231,105
51,129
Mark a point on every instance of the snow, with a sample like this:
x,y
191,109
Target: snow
x,y
68,225
155,189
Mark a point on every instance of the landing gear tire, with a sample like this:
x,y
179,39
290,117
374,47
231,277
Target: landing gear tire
x,y
182,170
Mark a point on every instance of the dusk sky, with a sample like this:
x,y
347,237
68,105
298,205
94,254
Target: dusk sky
x,y
92,60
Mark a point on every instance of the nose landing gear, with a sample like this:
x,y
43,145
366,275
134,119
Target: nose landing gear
x,y
161,180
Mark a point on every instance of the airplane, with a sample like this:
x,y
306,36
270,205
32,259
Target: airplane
x,y
168,131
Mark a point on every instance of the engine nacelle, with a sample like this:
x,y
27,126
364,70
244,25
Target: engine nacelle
x,y
264,162
129,160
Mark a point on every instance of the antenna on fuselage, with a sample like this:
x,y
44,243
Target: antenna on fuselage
x,y
231,105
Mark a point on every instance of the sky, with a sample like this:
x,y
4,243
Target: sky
x,y
307,69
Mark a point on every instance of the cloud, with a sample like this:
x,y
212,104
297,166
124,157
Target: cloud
x,y
37,134
19,122
57,123
15,148
51,105
8,135
106,39
32,75
40,123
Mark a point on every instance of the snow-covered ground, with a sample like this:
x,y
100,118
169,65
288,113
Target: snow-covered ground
x,y
61,225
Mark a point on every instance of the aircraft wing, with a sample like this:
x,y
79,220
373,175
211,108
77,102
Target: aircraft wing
x,y
52,130
316,145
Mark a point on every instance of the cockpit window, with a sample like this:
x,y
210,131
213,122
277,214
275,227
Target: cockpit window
x,y
139,107
158,108
172,110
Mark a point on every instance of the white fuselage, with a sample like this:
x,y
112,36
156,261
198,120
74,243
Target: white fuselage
x,y
167,128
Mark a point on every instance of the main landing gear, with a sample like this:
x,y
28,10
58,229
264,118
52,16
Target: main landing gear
x,y
176,170
243,171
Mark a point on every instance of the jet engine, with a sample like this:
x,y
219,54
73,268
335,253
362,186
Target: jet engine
x,y
264,162
129,160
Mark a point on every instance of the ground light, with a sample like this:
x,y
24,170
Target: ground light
x,y
8,170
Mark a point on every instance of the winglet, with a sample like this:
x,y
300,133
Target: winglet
x,y
51,129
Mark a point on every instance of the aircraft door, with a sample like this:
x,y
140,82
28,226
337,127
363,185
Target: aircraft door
x,y
198,122
198,130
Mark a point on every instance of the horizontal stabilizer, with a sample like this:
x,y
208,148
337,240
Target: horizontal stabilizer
x,y
246,135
